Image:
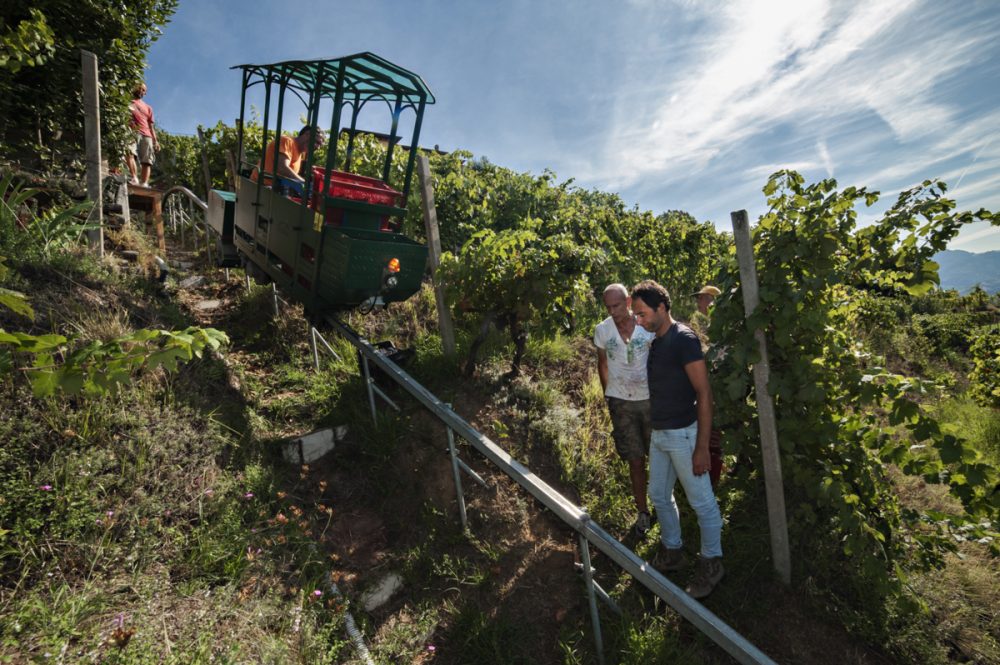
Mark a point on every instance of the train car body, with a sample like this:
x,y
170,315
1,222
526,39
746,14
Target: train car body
x,y
335,245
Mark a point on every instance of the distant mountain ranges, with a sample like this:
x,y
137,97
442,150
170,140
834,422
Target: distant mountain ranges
x,y
961,270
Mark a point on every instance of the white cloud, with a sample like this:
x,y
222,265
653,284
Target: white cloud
x,y
758,173
976,239
824,156
769,65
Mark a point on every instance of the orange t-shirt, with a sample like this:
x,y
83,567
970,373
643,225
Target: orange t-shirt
x,y
288,147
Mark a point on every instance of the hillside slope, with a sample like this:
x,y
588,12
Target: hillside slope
x,y
962,271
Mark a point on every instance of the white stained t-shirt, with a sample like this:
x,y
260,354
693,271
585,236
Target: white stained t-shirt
x,y
626,362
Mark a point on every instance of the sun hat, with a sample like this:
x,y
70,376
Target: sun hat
x,y
707,290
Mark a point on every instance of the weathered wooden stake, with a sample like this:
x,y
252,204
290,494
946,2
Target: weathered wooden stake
x,y
434,246
231,171
204,162
92,135
773,483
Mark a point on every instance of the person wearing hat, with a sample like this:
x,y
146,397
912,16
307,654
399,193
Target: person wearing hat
x,y
700,322
706,297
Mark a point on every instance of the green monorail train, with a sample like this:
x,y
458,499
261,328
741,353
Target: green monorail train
x,y
328,238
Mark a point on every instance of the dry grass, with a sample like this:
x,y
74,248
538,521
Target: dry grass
x,y
964,601
963,597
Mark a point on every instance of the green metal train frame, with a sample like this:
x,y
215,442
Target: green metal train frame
x,y
327,268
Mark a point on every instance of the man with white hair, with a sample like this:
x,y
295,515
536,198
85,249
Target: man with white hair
x,y
622,349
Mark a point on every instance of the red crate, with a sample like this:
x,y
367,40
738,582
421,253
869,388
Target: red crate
x,y
356,187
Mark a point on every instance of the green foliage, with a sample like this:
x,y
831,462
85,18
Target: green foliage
x,y
179,161
927,335
527,276
950,331
53,362
842,419
985,377
42,232
31,42
94,368
533,253
13,300
40,106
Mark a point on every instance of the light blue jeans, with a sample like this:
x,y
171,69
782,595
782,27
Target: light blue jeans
x,y
670,453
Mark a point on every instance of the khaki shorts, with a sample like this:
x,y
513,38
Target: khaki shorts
x,y
631,427
142,148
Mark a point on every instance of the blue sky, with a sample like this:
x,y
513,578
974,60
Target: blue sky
x,y
674,104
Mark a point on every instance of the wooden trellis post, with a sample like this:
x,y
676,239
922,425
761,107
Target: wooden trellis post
x,y
434,250
92,136
773,484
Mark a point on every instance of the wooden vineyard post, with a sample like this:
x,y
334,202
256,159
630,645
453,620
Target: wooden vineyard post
x,y
434,247
204,163
231,172
161,242
773,484
92,135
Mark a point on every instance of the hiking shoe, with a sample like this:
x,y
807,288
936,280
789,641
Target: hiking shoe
x,y
642,524
709,572
669,559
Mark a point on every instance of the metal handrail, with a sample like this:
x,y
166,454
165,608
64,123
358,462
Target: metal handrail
x,y
576,517
188,216
187,192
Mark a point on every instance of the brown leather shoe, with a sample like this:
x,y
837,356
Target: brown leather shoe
x,y
706,577
668,559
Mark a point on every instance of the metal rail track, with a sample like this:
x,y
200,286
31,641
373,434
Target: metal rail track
x,y
574,516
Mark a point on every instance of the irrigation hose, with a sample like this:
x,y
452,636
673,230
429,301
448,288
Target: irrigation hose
x,y
352,628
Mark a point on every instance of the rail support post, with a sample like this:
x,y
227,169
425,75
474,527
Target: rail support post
x,y
312,344
274,294
368,386
455,471
595,617
315,339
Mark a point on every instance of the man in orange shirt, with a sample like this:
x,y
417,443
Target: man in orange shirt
x,y
291,153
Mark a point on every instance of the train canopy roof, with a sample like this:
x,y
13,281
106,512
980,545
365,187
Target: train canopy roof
x,y
365,75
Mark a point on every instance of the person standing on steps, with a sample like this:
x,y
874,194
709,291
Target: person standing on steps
x,y
680,399
622,347
146,144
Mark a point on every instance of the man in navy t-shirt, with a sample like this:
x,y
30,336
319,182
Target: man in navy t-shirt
x,y
680,400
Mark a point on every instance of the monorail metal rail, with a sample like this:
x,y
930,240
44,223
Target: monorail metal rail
x,y
590,532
